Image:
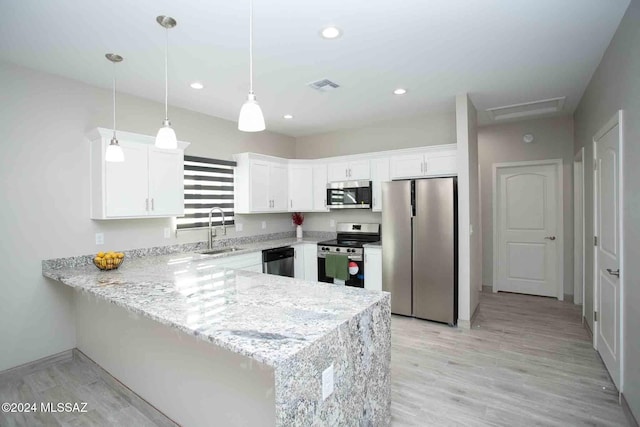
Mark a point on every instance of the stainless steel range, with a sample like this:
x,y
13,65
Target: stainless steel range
x,y
350,240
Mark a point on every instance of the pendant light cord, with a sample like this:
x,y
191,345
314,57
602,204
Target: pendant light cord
x,y
166,78
114,100
251,46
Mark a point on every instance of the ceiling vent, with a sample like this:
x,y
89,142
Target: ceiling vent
x,y
324,85
527,109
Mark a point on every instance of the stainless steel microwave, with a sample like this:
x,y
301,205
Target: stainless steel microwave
x,y
349,195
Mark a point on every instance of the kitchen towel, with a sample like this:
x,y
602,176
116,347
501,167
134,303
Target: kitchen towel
x,y
337,266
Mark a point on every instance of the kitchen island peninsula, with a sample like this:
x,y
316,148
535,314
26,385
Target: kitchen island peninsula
x,y
208,345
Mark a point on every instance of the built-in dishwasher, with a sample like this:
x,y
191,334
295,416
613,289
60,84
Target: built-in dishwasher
x,y
278,261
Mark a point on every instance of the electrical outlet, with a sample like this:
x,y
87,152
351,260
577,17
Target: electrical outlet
x,y
264,225
327,382
238,226
332,223
167,233
99,238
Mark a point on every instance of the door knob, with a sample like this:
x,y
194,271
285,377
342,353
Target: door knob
x,y
550,237
614,272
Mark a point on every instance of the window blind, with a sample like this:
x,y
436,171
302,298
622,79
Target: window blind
x,y
208,183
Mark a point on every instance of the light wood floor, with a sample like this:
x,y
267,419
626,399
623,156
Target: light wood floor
x,y
109,403
527,361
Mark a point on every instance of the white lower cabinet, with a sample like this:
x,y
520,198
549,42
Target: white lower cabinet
x,y
249,262
311,262
373,268
305,262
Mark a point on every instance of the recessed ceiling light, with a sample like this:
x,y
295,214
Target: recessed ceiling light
x,y
288,116
331,32
400,91
196,85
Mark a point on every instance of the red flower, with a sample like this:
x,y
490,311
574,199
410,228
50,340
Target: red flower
x,y
297,218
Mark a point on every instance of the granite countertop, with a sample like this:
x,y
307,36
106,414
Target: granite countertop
x,y
267,318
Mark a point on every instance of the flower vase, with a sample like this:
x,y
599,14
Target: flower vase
x,y
299,232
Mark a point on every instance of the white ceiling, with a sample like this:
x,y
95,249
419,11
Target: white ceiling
x,y
500,51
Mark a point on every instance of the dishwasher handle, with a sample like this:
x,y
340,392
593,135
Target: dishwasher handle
x,y
275,254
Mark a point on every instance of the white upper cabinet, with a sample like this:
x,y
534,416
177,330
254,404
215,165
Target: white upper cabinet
x,y
278,184
260,199
379,174
300,188
320,188
149,183
407,166
349,171
272,184
261,184
434,161
165,191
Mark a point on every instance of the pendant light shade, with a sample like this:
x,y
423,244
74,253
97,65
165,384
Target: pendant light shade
x,y
251,118
166,137
114,152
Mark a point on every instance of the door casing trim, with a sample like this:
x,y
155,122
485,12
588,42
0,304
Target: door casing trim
x,y
616,120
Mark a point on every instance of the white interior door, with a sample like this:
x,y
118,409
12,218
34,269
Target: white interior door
x,y
528,236
607,230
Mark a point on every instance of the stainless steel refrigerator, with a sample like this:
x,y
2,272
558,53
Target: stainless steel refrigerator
x,y
420,248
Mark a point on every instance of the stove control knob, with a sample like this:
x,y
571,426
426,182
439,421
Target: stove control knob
x,y
337,249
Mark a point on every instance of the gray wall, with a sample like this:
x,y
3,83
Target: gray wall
x,y
44,188
503,143
415,131
469,246
616,85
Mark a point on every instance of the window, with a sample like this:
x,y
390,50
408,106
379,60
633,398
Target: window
x,y
208,183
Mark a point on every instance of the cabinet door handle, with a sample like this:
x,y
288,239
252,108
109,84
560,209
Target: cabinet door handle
x,y
614,272
291,203
422,167
146,204
374,201
153,205
425,167
350,172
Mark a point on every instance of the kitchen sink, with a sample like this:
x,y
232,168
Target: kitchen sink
x,y
219,251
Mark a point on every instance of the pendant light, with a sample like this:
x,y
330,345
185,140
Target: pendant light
x,y
251,118
114,151
166,137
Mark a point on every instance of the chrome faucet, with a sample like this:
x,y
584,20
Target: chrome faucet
x,y
212,230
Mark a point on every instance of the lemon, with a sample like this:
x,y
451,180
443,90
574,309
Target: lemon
x,y
100,254
120,255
